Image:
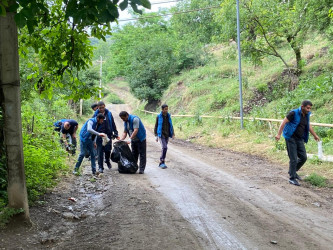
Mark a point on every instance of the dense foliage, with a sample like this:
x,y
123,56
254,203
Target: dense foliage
x,y
56,55
148,52
268,25
43,154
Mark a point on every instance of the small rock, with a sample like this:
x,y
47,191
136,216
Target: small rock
x,y
274,242
55,211
83,216
68,215
317,204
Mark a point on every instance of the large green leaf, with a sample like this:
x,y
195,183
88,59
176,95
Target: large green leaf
x,y
13,7
20,20
123,5
30,25
135,8
2,10
146,4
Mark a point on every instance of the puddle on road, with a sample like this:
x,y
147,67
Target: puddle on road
x,y
194,210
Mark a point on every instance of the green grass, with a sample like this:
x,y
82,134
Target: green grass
x,y
316,180
112,98
213,90
6,214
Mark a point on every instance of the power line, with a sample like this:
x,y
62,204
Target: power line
x,y
167,2
168,14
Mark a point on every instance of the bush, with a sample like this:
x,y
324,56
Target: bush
x,y
6,214
43,155
113,98
316,180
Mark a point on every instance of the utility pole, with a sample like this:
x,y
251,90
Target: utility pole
x,y
100,78
239,68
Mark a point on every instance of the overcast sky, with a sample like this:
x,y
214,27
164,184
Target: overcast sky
x,y
155,7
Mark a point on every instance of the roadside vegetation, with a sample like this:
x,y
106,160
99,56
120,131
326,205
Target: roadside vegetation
x,y
188,61
213,90
286,59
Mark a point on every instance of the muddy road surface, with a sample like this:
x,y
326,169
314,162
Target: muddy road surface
x,y
206,199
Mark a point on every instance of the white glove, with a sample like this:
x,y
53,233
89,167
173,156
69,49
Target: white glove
x,y
105,140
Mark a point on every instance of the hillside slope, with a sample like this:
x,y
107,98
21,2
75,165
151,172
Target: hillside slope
x,y
269,91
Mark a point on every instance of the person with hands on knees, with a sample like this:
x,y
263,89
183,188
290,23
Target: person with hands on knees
x,y
86,142
163,131
296,127
69,127
133,127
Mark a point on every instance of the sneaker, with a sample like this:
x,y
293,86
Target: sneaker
x,y
294,182
298,177
75,171
141,172
163,166
109,165
101,171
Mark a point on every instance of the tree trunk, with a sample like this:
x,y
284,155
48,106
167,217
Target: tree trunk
x,y
297,52
81,106
292,41
11,105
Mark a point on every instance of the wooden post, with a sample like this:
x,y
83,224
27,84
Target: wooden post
x,y
270,128
81,106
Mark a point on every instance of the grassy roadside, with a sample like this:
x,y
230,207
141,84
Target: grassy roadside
x,y
268,92
255,139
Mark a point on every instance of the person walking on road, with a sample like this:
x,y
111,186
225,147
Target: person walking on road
x,y
137,137
86,142
109,128
163,131
68,129
296,127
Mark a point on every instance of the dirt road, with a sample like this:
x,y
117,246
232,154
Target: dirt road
x,y
205,199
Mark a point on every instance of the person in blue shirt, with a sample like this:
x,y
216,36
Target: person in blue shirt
x,y
296,127
109,128
163,131
86,142
68,130
133,127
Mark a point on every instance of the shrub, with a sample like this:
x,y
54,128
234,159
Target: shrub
x,y
316,180
6,214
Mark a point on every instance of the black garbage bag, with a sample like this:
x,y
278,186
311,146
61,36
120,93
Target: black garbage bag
x,y
122,154
115,154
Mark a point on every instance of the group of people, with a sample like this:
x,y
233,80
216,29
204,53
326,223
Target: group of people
x,y
295,128
99,131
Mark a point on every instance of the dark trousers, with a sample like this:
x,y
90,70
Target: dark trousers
x,y
164,145
101,151
140,148
86,147
297,155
